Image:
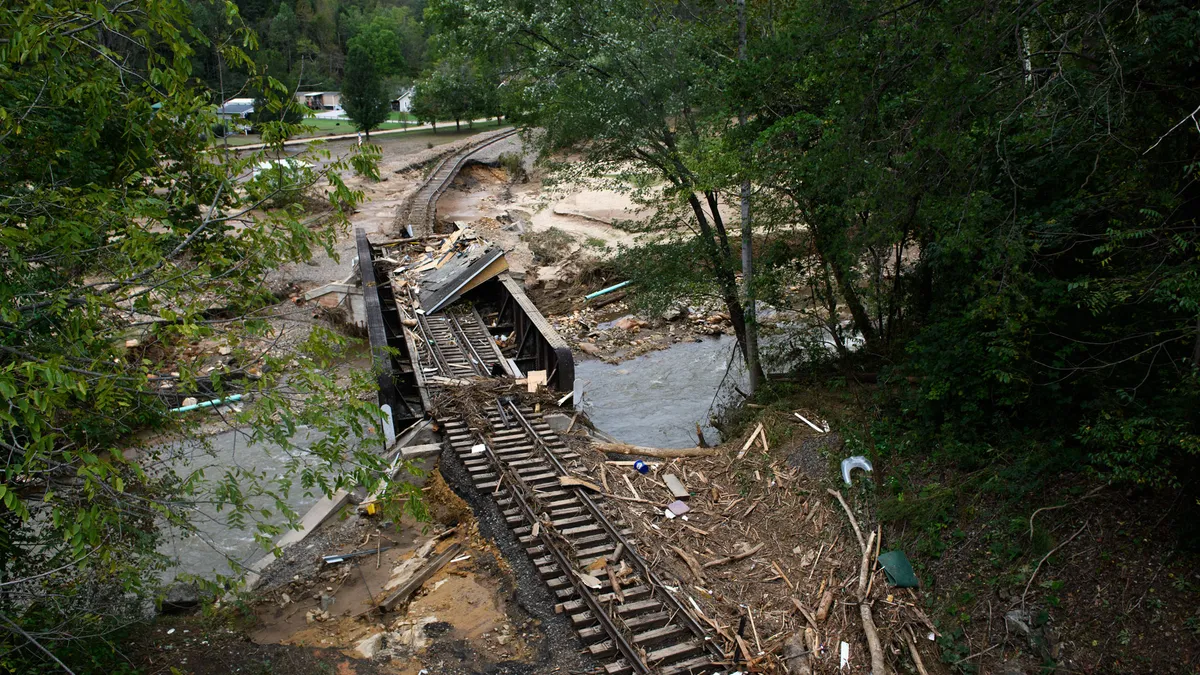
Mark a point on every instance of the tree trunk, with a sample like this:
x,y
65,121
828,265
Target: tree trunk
x,y
841,274
725,279
457,127
753,365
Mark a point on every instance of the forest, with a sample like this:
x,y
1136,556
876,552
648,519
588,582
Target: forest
x,y
997,200
305,44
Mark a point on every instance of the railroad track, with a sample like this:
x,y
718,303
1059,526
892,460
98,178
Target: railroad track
x,y
630,622
626,618
421,209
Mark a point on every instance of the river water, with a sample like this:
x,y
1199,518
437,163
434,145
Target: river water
x,y
656,399
210,552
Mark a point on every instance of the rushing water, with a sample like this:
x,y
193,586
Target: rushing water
x,y
656,399
210,552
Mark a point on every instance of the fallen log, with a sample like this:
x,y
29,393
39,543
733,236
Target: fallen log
x,y
663,453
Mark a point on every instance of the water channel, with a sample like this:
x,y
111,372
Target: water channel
x,y
210,553
656,399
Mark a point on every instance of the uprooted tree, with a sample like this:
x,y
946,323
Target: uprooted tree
x,y
123,238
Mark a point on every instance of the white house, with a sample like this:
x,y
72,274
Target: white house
x,y
403,102
320,100
236,108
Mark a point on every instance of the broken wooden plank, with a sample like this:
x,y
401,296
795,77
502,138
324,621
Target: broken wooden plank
x,y
535,379
663,453
578,482
750,441
414,584
678,491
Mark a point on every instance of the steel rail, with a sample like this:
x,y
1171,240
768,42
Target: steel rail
x,y
472,353
521,497
643,567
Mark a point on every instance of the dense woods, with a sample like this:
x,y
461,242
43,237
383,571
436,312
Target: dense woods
x,y
997,200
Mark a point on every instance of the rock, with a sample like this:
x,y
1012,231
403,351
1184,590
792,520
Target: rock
x,y
717,318
550,284
589,348
1017,621
557,421
131,343
368,647
225,350
766,313
673,314
310,617
181,598
191,400
626,323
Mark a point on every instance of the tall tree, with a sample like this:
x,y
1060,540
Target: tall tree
x,y
117,239
628,84
363,95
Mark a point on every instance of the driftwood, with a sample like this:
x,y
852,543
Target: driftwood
x,y
690,559
878,664
664,453
733,558
826,603
853,521
798,651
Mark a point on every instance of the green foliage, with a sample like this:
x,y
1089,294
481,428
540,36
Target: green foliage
x,y
378,39
1006,218
366,102
116,221
366,161
279,183
457,89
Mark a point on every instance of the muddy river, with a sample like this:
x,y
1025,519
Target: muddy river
x,y
211,552
656,399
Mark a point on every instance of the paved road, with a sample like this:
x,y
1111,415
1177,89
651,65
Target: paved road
x,y
339,137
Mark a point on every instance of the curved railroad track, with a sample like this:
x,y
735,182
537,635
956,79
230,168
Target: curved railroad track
x,y
420,209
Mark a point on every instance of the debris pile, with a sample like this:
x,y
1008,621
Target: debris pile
x,y
764,556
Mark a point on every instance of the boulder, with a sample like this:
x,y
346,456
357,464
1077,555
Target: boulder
x,y
368,647
629,322
674,313
181,598
589,348
557,421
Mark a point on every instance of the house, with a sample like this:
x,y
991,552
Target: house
x,y
236,108
403,102
320,100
